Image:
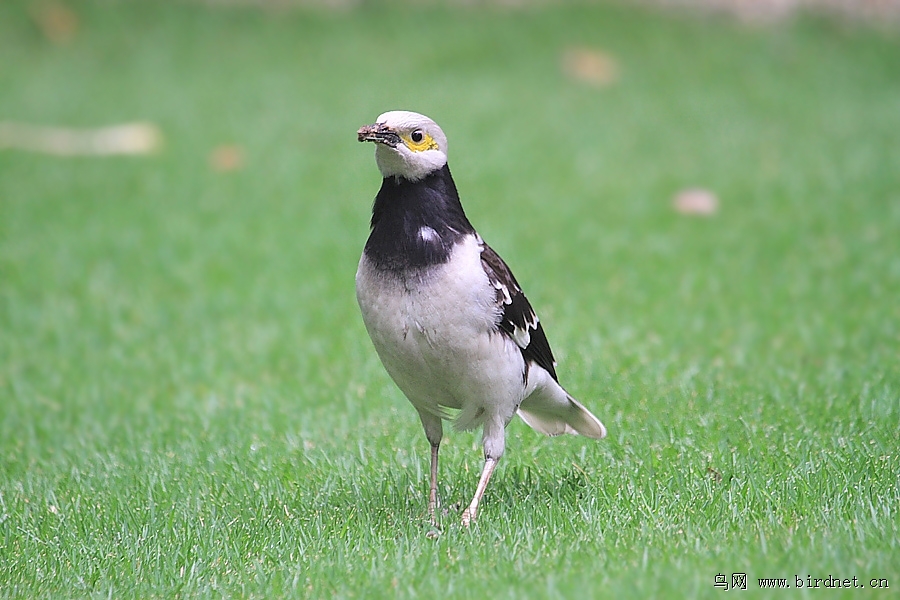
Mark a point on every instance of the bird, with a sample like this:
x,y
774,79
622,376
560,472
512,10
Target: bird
x,y
448,319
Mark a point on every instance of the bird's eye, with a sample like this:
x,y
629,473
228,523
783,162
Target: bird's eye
x,y
418,140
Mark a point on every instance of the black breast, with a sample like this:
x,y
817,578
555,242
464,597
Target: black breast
x,y
416,223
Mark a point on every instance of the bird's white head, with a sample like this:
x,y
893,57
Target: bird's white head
x,y
407,144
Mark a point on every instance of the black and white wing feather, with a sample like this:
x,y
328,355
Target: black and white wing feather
x,y
518,320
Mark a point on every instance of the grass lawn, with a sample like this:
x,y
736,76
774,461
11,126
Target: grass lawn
x,y
189,403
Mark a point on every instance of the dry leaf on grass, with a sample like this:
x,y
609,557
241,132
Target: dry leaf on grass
x,y
57,22
590,66
227,157
696,201
127,138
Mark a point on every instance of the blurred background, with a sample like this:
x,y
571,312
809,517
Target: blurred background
x,y
183,176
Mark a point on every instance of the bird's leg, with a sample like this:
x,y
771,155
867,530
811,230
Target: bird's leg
x,y
494,441
470,513
432,494
434,431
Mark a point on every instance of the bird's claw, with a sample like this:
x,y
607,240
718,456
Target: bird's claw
x,y
467,517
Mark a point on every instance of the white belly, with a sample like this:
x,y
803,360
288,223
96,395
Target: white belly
x,y
435,332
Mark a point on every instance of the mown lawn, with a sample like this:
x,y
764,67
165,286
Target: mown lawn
x,y
189,403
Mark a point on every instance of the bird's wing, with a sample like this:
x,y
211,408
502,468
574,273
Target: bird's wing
x,y
518,320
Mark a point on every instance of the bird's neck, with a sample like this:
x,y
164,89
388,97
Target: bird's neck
x,y
416,223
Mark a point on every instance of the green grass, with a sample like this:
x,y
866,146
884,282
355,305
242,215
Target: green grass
x,y
189,404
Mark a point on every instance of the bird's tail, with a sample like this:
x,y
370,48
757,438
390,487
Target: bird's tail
x,y
554,412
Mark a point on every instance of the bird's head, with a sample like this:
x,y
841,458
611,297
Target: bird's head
x,y
407,144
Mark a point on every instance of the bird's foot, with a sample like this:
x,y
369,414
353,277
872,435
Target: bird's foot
x,y
468,516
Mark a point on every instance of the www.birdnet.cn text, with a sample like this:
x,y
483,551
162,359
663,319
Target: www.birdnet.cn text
x,y
742,581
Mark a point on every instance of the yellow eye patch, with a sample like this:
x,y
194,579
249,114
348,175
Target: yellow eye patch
x,y
418,141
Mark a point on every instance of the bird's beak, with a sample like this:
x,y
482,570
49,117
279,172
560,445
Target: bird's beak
x,y
378,133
